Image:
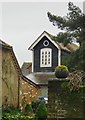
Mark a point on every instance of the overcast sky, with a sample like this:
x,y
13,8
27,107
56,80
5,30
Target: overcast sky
x,y
23,22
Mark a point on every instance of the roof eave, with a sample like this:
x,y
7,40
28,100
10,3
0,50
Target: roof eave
x,y
28,80
39,38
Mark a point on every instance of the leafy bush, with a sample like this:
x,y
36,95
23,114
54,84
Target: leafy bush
x,y
19,116
35,105
28,109
12,113
10,110
41,112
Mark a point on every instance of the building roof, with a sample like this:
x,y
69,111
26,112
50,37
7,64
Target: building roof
x,y
41,78
72,47
68,48
15,62
26,67
5,45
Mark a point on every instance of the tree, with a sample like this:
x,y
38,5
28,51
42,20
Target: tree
x,y
41,112
73,28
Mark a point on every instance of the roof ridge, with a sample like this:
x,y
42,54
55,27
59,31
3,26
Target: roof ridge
x,y
5,44
66,48
54,40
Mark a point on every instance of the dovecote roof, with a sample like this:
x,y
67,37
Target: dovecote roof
x,y
69,48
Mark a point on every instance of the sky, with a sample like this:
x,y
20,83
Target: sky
x,y
22,23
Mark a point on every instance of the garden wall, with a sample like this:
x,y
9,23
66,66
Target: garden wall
x,y
64,104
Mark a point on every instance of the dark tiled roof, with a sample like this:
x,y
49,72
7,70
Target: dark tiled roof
x,y
41,78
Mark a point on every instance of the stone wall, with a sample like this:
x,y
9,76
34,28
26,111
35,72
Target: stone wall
x,y
16,89
9,80
28,93
63,103
0,81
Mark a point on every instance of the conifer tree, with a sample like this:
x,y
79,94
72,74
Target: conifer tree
x,y
73,28
41,112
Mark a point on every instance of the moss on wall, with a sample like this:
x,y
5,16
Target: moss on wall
x,y
65,103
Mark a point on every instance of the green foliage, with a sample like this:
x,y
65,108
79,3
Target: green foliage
x,y
71,100
62,67
41,112
61,71
28,109
35,105
65,85
14,114
64,38
74,26
10,109
76,60
71,21
7,116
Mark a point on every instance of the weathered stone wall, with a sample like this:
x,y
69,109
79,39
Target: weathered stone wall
x,y
63,103
16,90
28,93
9,80
0,81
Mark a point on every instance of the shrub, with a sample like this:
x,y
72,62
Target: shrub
x,y
41,112
15,114
19,116
35,105
10,109
28,109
